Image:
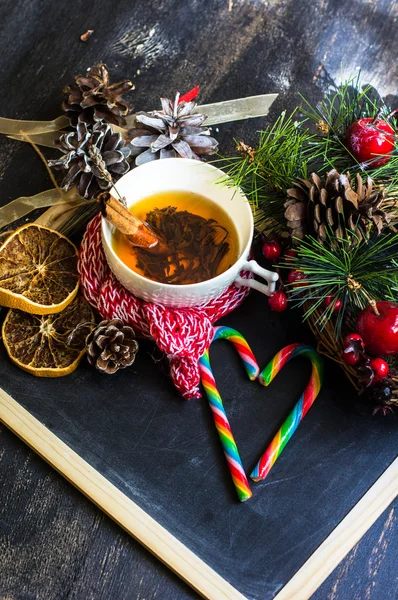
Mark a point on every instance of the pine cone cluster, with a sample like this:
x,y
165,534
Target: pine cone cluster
x,y
337,204
92,98
176,130
111,346
93,156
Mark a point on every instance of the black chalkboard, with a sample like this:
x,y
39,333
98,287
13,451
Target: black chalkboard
x,y
164,453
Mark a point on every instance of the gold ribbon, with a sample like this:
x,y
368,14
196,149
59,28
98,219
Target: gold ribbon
x,y
228,111
60,206
63,209
25,204
40,139
56,200
44,133
17,127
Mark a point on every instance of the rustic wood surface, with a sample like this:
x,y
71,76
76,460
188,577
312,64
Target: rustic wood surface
x,y
53,543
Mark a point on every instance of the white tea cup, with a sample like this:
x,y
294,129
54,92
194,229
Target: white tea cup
x,y
179,174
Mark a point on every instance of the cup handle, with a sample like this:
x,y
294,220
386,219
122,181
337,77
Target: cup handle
x,y
270,277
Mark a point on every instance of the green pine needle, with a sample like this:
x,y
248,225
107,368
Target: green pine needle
x,y
340,107
289,150
352,271
281,157
343,105
75,221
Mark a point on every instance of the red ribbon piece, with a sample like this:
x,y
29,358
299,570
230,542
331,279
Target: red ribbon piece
x,y
189,96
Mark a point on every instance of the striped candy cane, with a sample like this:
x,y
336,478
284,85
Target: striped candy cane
x,y
220,417
299,411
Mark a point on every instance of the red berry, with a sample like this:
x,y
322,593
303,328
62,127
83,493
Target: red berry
x,y
353,337
350,359
290,254
294,277
380,332
367,138
353,349
337,303
380,368
278,301
272,250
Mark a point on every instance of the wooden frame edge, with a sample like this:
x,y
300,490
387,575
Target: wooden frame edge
x,y
343,538
164,545
114,503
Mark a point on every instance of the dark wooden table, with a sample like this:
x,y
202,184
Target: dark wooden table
x,y
54,544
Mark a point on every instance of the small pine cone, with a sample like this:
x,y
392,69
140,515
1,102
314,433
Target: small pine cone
x,y
94,156
92,98
335,205
111,346
174,131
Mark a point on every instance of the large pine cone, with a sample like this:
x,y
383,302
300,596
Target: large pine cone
x,y
336,204
174,131
91,98
111,346
94,157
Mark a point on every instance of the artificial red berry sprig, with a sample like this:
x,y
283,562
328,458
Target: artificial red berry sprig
x,y
371,141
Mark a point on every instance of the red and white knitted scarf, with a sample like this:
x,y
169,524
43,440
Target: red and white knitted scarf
x,y
183,334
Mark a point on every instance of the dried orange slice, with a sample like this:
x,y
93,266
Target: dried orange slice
x,y
38,270
39,344
3,236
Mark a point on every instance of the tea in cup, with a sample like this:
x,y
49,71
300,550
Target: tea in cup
x,y
207,228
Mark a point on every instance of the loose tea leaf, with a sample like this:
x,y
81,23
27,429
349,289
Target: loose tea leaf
x,y
197,246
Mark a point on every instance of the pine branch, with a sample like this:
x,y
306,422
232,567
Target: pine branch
x,y
352,271
264,173
340,107
344,104
289,150
331,345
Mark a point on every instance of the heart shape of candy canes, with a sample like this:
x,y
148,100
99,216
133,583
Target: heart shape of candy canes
x,y
290,424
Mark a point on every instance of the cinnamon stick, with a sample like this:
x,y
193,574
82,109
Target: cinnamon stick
x,y
138,232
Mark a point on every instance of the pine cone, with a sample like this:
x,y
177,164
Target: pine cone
x,y
92,99
315,206
94,157
111,346
174,131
